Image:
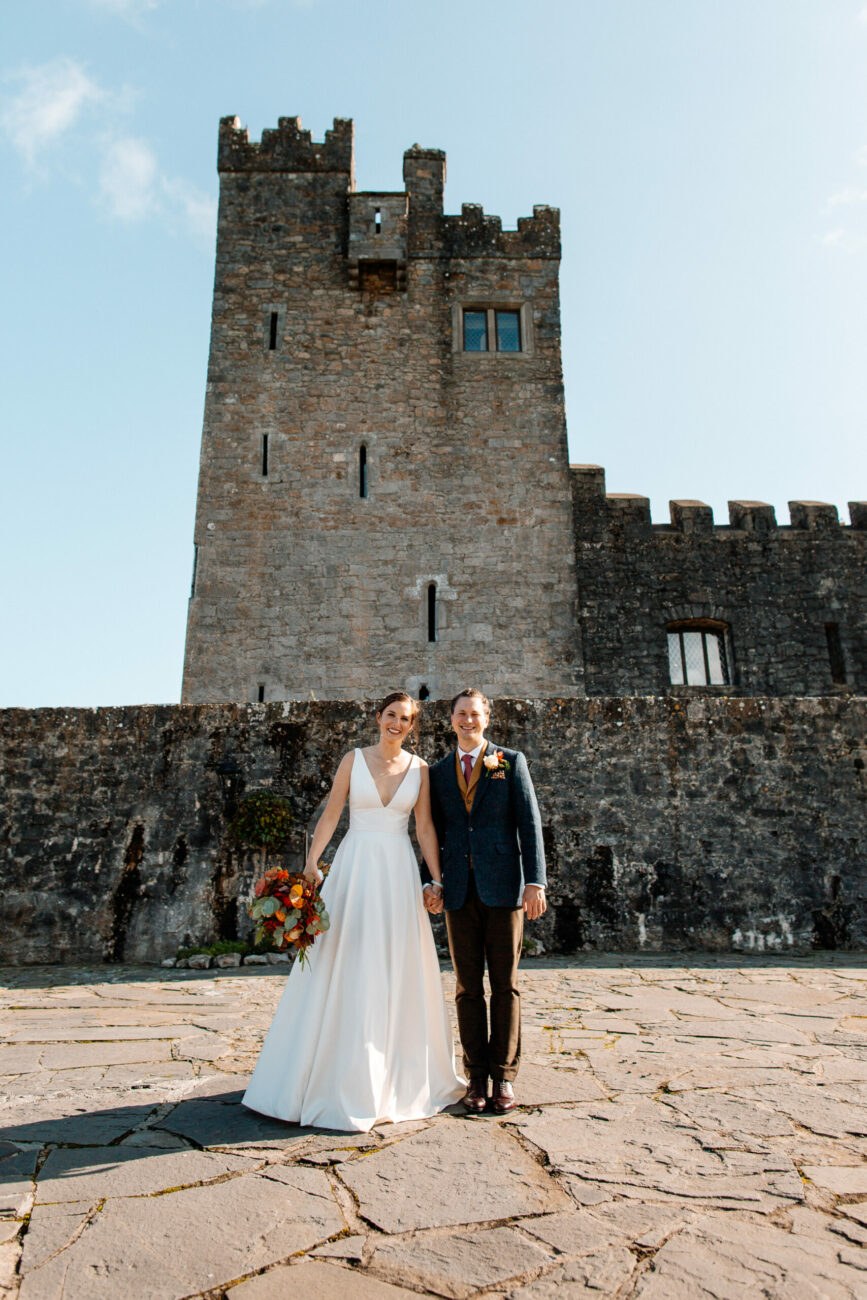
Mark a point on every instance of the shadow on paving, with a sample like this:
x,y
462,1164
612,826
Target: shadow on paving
x,y
210,1121
45,977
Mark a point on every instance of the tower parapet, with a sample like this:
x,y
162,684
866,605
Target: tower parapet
x,y
474,234
287,149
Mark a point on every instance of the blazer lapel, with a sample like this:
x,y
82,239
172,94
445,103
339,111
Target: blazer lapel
x,y
482,787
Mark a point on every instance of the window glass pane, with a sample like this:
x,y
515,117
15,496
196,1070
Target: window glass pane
x,y
675,667
716,659
693,653
508,332
475,331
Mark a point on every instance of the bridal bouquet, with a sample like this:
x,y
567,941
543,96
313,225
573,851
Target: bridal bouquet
x,y
288,910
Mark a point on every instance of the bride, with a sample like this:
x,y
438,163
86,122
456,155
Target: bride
x,y
361,1034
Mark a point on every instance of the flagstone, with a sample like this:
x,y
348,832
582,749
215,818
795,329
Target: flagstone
x,y
599,1274
696,1122
729,1114
202,1047
90,1173
453,1173
839,1180
84,1127
65,1056
539,1085
122,1076
223,1122
167,1247
721,1259
16,1183
459,1264
574,1233
94,1033
647,1226
320,1281
51,1229
813,1108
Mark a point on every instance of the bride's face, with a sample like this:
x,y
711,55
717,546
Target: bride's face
x,y
395,722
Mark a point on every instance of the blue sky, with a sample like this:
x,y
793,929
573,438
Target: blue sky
x,y
710,161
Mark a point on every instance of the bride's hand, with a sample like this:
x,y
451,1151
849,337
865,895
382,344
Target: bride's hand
x,y
313,873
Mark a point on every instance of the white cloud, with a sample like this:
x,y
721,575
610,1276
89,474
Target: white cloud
x,y
128,179
845,198
199,209
862,17
50,99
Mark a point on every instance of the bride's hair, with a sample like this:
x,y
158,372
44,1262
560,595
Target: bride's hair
x,y
414,705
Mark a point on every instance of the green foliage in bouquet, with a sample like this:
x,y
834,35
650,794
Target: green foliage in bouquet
x,y
263,820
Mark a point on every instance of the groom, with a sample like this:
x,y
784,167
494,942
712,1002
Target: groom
x,y
493,869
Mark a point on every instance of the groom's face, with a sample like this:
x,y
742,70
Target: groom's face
x,y
469,720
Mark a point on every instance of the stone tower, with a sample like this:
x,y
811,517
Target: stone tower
x,y
384,494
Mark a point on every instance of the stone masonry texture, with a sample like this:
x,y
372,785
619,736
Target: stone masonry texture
x,y
670,824
336,334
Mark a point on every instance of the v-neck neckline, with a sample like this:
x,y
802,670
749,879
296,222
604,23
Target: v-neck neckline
x,y
376,787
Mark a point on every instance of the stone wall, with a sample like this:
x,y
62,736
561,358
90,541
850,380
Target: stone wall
x,y
336,329
774,587
707,823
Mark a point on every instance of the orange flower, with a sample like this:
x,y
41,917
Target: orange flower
x,y
280,916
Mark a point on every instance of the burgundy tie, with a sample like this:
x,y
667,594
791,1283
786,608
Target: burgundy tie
x,y
467,760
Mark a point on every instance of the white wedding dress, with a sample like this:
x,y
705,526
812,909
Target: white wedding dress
x,y
362,1034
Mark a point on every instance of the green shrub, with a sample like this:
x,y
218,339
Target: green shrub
x,y
263,821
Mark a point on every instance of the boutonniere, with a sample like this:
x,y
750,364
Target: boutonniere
x,y
496,766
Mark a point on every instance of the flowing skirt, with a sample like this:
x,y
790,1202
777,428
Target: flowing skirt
x,y
362,1034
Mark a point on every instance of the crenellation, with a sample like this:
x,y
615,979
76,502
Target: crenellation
x,y
287,149
858,514
752,516
691,516
817,516
476,234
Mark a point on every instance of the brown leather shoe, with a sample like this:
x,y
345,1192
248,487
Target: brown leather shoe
x,y
503,1099
476,1098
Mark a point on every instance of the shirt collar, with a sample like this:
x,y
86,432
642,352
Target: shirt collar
x,y
473,753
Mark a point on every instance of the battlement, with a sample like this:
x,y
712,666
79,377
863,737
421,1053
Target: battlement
x,y
420,228
287,149
474,234
690,516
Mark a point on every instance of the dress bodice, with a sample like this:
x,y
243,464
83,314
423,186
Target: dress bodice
x,y
367,811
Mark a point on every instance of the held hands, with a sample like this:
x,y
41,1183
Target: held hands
x,y
432,899
534,902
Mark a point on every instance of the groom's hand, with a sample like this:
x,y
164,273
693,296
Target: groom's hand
x,y
433,900
533,902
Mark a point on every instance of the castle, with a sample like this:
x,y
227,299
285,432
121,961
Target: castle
x,y
385,497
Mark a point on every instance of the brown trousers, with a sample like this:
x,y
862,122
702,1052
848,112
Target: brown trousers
x,y
478,933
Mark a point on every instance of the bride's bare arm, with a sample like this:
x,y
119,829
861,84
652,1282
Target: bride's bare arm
x,y
327,823
425,831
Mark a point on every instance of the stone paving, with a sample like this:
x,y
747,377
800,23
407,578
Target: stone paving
x,y
684,1132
